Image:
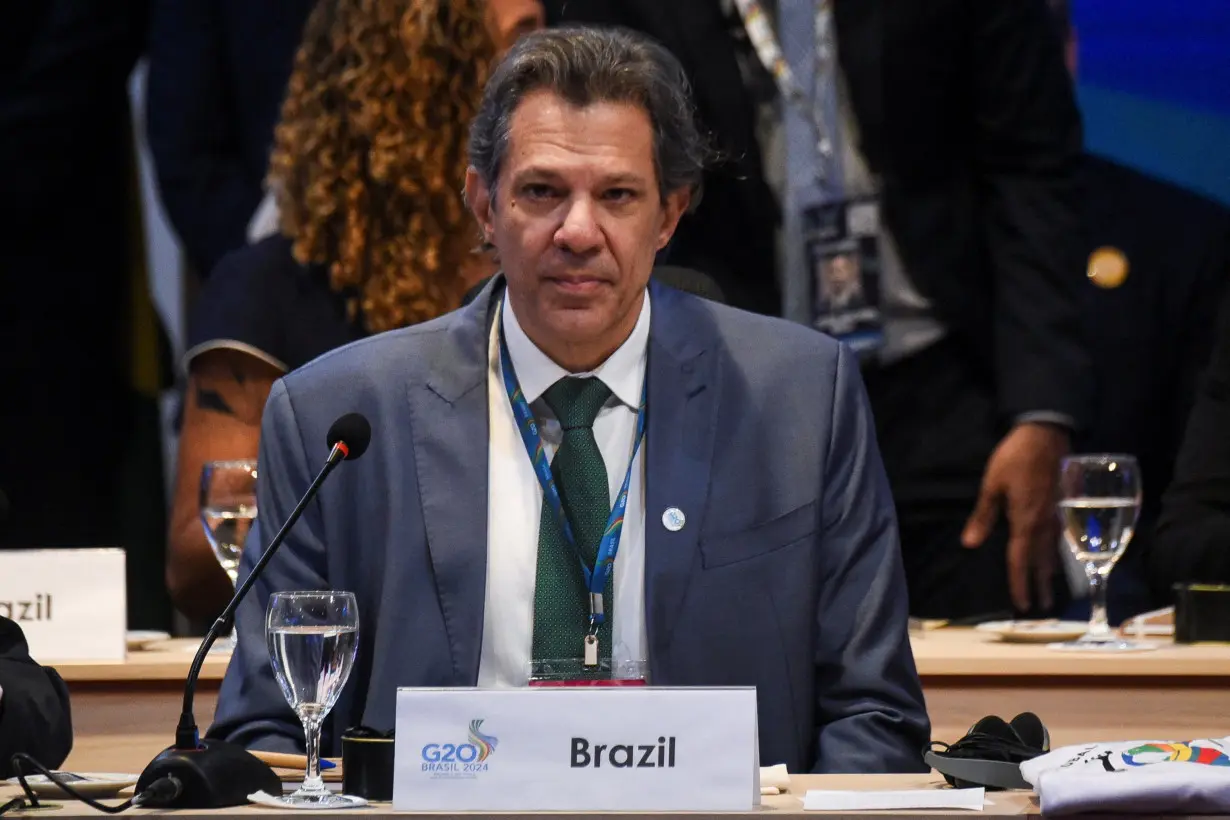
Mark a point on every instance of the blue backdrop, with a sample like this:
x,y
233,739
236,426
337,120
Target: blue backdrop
x,y
1154,87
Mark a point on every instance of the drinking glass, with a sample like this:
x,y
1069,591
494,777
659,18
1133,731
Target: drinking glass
x,y
228,508
312,639
1099,504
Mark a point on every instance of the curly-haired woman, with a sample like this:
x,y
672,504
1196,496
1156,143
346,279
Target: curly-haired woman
x,y
368,163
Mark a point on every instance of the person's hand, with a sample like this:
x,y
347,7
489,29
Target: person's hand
x,y
1022,478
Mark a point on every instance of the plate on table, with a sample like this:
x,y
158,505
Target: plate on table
x,y
1153,630
141,638
1044,631
90,784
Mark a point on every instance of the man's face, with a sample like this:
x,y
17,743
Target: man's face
x,y
577,220
842,271
508,20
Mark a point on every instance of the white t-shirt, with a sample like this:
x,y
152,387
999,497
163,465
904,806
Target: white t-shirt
x,y
1157,776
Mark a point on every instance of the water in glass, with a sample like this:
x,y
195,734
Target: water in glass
x,y
228,508
313,638
1098,507
312,664
1098,529
226,528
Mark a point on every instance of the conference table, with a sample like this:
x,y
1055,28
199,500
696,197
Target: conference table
x,y
790,804
125,712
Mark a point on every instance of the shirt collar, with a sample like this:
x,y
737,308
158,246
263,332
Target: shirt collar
x,y
623,372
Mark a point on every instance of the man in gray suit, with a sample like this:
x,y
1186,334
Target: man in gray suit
x,y
750,528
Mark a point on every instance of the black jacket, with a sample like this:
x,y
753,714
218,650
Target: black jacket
x,y
1151,338
217,75
966,111
1192,542
35,717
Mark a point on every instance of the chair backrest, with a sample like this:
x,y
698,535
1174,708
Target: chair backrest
x,y
690,280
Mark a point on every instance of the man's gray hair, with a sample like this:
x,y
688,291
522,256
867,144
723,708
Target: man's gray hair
x,y
585,65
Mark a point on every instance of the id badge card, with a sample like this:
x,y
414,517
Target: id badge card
x,y
574,672
842,250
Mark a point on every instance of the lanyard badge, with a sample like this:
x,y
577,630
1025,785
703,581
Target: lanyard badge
x,y
595,578
820,106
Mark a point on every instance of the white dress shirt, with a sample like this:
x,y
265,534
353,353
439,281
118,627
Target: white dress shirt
x,y
515,499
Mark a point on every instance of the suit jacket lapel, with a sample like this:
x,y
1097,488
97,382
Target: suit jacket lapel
x,y
450,434
681,406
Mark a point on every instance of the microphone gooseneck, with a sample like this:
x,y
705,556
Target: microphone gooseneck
x,y
187,736
215,773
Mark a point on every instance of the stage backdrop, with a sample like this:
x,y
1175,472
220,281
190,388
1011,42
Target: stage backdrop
x,y
1154,86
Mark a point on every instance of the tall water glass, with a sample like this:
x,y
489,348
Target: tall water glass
x,y
1099,504
312,639
228,508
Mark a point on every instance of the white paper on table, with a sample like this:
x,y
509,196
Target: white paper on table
x,y
893,800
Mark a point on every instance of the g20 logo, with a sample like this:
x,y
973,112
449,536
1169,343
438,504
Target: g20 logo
x,y
479,747
450,753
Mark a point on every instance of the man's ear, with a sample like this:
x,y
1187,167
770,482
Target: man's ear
x,y
478,198
673,209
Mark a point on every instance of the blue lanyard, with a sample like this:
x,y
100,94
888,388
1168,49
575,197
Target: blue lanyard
x,y
595,580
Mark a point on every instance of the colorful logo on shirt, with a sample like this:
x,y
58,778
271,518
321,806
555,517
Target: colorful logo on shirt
x,y
1175,753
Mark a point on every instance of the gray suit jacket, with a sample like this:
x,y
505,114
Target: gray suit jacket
x,y
786,576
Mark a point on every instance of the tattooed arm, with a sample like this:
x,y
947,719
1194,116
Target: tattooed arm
x,y
226,395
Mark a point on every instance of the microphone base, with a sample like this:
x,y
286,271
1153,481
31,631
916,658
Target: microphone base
x,y
215,776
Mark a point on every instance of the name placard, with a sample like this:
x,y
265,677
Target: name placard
x,y
576,749
70,603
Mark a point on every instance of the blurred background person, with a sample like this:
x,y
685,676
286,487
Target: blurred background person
x,y
1158,257
217,75
368,164
730,235
81,352
950,130
1192,543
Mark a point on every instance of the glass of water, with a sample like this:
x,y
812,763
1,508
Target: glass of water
x,y
312,638
228,508
1099,503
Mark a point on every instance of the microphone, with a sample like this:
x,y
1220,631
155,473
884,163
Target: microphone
x,y
349,436
213,773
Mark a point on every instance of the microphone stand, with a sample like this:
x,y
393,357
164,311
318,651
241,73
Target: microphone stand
x,y
214,773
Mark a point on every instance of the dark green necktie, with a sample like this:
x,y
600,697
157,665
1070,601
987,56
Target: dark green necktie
x,y
561,601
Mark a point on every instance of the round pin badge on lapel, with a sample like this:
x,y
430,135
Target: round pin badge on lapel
x,y
673,519
1108,267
